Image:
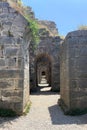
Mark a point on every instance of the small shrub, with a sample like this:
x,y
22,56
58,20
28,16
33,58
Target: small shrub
x,y
20,3
82,27
33,26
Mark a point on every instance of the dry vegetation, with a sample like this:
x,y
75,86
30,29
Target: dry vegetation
x,y
17,6
82,27
43,26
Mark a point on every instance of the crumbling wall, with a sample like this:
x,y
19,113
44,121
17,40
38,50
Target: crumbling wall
x,y
14,59
48,46
73,72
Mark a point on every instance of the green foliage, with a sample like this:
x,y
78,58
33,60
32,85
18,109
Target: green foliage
x,y
27,108
7,113
33,26
82,27
34,30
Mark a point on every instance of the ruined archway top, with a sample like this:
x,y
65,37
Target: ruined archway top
x,y
43,55
77,33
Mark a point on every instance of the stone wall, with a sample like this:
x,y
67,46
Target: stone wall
x,y
32,68
73,83
50,26
47,48
14,59
43,65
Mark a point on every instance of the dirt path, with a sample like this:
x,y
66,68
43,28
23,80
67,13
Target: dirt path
x,y
45,114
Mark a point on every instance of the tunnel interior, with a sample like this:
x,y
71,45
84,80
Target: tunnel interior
x,y
43,71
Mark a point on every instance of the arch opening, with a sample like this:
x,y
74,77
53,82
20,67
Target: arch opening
x,y
43,73
43,70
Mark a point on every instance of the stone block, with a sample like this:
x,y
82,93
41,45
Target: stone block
x,y
82,63
2,62
7,40
11,10
80,103
0,10
11,74
83,51
7,84
18,107
19,84
11,51
11,99
82,83
78,93
4,4
5,10
20,62
10,93
73,52
6,105
12,62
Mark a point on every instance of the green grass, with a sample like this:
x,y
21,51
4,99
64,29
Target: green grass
x,y
27,108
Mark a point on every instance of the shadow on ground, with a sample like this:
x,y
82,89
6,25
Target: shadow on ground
x,y
7,120
58,118
44,91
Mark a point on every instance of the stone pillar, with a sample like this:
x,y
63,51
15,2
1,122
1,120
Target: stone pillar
x,y
14,60
73,73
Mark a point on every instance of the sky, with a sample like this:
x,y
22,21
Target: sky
x,y
67,14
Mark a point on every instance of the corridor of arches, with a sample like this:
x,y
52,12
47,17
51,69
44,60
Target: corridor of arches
x,y
43,72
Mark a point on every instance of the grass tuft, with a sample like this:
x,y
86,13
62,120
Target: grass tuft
x,y
27,108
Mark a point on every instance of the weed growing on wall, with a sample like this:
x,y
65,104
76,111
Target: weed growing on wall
x,y
34,30
82,27
32,23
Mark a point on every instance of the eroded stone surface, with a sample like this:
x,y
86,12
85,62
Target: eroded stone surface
x,y
14,81
73,68
46,58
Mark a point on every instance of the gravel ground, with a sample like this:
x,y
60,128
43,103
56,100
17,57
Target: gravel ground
x,y
45,114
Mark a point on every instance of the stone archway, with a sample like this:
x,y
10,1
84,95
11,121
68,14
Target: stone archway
x,y
43,70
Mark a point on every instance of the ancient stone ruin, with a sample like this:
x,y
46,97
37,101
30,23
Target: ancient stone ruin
x,y
73,69
14,59
59,63
46,58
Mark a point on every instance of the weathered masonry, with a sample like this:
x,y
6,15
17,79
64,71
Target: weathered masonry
x,y
14,59
73,72
60,63
46,58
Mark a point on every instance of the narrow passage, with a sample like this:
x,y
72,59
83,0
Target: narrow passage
x,y
45,114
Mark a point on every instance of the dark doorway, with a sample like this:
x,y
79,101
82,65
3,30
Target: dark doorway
x,y
43,71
